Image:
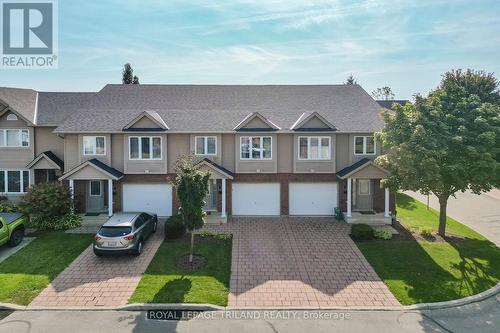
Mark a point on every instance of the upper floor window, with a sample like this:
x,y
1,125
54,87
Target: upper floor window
x,y
145,148
255,147
94,145
12,117
14,138
364,145
206,145
314,148
14,181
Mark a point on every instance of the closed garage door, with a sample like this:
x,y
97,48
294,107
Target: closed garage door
x,y
256,199
155,198
313,198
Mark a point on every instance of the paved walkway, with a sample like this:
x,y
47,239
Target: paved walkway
x,y
300,262
95,281
480,212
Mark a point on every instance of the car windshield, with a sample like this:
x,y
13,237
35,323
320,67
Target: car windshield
x,y
114,231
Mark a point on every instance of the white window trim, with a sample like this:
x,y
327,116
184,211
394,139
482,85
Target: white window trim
x,y
250,155
364,145
20,130
205,145
139,138
319,148
94,153
6,186
90,188
12,117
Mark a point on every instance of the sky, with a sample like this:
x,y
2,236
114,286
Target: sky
x,y
406,45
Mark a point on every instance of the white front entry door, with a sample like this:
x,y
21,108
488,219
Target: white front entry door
x,y
313,198
256,199
154,198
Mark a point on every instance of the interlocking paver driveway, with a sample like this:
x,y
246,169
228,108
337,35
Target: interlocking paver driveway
x,y
295,261
98,281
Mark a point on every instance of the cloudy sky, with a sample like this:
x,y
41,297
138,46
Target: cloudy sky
x,y
404,44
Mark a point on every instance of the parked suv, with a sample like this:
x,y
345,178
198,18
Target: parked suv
x,y
125,233
12,228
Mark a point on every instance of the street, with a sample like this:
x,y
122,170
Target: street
x,y
482,317
480,212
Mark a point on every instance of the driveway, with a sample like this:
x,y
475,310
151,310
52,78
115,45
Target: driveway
x,y
300,261
480,212
97,281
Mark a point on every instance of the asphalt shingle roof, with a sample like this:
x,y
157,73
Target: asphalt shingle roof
x,y
55,107
22,101
387,104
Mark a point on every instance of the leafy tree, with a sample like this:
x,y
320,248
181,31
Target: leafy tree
x,y
351,80
192,188
384,93
128,76
446,142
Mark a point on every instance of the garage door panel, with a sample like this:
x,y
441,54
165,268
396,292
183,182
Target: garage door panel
x,y
256,199
155,198
311,199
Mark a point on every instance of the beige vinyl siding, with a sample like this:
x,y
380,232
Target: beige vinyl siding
x,y
45,140
16,157
257,166
145,122
71,151
342,153
146,166
117,149
256,122
285,153
314,122
313,166
217,158
178,145
228,157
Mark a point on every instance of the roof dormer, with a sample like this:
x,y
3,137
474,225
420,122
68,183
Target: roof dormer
x,y
255,122
313,122
147,121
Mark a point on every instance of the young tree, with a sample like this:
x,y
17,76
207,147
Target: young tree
x,y
127,74
383,93
135,80
192,188
446,142
351,80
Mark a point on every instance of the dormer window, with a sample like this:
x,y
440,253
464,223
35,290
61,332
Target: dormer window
x,y
14,138
12,117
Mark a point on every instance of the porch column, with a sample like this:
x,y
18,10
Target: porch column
x,y
110,197
349,197
223,213
386,203
72,188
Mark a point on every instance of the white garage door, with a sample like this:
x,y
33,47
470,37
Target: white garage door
x,y
256,199
154,198
313,198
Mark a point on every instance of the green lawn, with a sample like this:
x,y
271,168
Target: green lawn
x,y
421,271
26,273
164,282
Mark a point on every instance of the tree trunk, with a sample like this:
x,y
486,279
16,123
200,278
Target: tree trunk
x,y
443,202
192,246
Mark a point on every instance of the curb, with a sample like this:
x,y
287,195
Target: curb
x,y
210,307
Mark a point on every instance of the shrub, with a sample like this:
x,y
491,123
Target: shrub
x,y
47,200
361,232
8,207
174,227
382,234
63,222
214,235
3,198
426,232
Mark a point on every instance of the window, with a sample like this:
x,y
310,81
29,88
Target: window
x,y
206,145
256,147
14,181
364,187
145,148
14,138
95,188
11,117
94,145
364,145
314,148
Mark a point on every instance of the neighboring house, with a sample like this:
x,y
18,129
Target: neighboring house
x,y
387,104
271,150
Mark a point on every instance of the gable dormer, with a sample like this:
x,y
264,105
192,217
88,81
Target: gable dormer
x,y
255,122
313,122
146,121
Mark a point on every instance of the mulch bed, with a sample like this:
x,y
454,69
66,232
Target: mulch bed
x,y
197,263
405,234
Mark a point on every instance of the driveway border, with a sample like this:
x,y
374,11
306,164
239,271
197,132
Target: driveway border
x,y
210,307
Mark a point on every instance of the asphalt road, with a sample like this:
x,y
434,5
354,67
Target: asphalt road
x,y
477,317
480,212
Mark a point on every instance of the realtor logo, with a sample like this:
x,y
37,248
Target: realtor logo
x,y
29,33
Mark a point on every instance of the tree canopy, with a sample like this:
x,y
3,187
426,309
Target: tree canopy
x,y
384,93
351,80
446,142
128,76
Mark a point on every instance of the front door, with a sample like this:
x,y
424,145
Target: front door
x,y
211,199
364,198
95,196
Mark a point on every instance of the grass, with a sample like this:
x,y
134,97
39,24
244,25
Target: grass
x,y
422,271
164,282
26,273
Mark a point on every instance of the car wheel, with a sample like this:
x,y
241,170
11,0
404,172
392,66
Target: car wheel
x,y
155,226
97,253
138,249
16,238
